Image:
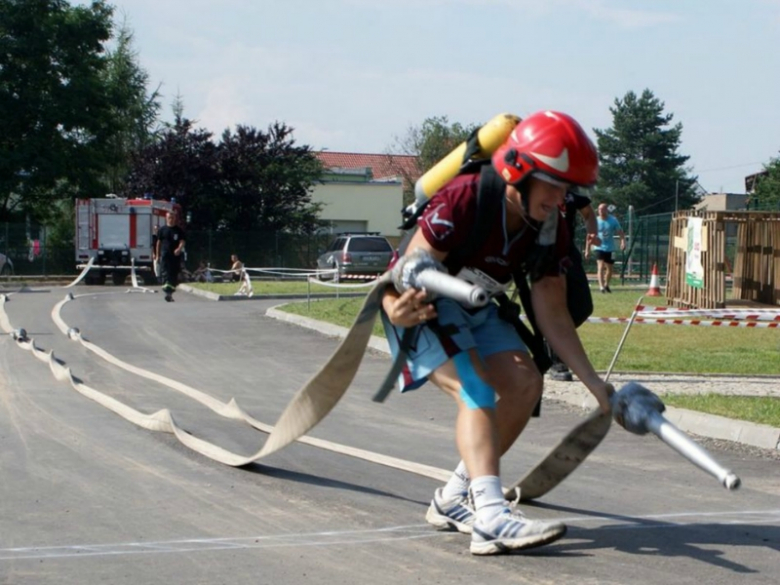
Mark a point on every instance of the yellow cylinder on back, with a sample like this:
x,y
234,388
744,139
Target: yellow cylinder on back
x,y
490,136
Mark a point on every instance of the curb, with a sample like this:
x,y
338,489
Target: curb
x,y
705,425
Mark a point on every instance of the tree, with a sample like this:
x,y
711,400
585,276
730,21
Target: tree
x,y
430,142
767,192
55,113
267,180
180,164
251,180
134,108
640,163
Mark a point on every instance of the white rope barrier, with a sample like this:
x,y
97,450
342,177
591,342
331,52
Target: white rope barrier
x,y
280,272
340,285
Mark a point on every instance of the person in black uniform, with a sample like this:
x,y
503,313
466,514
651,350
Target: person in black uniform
x,y
578,298
170,247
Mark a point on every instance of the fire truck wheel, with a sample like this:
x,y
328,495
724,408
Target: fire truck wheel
x,y
118,278
95,279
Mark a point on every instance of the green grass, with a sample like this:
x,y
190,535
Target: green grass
x,y
648,348
758,409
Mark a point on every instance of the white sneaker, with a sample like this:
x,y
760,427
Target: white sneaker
x,y
510,530
457,514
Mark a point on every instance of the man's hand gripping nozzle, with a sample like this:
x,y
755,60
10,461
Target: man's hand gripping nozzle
x,y
420,270
638,410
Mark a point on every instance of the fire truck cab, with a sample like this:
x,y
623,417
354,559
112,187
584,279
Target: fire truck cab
x,y
117,232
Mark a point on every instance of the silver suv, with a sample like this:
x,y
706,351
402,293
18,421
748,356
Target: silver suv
x,y
360,255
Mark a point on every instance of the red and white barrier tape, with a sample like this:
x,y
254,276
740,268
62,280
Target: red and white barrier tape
x,y
359,276
664,321
718,314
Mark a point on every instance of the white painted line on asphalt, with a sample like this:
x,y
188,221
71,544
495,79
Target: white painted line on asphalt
x,y
617,522
761,513
358,537
329,538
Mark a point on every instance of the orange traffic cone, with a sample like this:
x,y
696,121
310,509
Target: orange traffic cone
x,y
655,288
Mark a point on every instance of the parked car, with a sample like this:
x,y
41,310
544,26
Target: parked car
x,y
363,254
6,266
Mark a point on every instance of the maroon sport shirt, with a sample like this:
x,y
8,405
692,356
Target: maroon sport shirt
x,y
450,217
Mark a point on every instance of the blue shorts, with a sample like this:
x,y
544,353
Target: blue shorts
x,y
459,330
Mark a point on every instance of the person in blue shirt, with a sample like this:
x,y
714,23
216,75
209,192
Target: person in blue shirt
x,y
608,228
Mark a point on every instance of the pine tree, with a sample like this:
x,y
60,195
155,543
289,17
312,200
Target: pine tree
x,y
640,162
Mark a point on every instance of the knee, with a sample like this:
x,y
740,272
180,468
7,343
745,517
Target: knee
x,y
521,392
534,385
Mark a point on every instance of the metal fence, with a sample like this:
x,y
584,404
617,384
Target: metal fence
x,y
255,249
647,243
34,250
27,249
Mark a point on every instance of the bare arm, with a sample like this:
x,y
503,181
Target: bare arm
x,y
591,228
410,309
622,236
548,297
180,248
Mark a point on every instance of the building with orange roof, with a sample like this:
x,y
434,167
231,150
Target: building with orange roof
x,y
364,192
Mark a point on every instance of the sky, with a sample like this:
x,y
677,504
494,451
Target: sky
x,y
355,75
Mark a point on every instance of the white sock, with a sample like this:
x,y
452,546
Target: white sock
x,y
488,497
457,485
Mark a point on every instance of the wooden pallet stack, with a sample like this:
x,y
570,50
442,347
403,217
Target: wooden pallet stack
x,y
756,276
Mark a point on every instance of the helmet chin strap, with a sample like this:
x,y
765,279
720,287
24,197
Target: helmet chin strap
x,y
522,188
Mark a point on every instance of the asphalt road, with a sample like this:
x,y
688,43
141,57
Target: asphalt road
x,y
88,498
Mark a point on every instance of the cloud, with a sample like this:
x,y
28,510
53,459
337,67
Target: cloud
x,y
225,105
626,18
604,10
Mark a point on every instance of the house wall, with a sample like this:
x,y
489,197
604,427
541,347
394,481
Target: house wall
x,y
347,203
722,202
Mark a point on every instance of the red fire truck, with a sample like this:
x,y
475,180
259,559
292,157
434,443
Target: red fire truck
x,y
116,232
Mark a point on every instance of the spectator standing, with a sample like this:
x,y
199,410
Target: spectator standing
x,y
608,228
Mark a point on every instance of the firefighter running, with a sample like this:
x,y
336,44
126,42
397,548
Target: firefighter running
x,y
170,247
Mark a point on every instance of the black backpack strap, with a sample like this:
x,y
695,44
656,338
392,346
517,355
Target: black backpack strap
x,y
409,220
405,344
490,196
398,364
510,312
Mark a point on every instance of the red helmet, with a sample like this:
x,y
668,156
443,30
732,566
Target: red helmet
x,y
550,143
